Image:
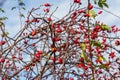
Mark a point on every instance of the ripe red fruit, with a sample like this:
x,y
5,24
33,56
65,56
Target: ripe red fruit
x,y
2,42
100,12
33,33
35,20
53,59
47,4
39,52
77,1
90,6
112,54
46,10
27,21
49,19
80,11
60,60
85,67
86,15
117,43
20,58
2,60
59,30
53,49
71,78
57,39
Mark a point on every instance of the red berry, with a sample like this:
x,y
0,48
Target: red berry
x,y
59,30
49,19
33,33
47,4
100,12
35,20
77,1
90,6
86,15
112,54
46,10
2,60
71,78
39,52
117,43
53,59
27,21
2,42
20,58
80,11
60,60
85,67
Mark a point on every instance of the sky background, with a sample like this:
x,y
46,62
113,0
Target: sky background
x,y
13,22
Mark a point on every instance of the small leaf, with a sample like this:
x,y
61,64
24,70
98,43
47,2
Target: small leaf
x,y
83,46
95,2
100,4
96,43
22,15
2,10
103,66
105,27
106,5
103,1
3,18
23,8
21,4
83,55
92,13
5,34
13,8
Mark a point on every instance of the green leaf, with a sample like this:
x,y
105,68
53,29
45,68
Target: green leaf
x,y
96,43
2,10
13,8
23,8
100,4
106,5
3,18
95,2
5,34
22,15
105,27
92,13
102,1
83,55
103,66
83,46
21,4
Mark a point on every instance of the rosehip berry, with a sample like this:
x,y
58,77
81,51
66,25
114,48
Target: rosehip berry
x,y
27,21
46,10
2,60
2,42
47,4
33,33
60,60
59,30
49,19
35,20
90,6
100,12
117,43
112,54
53,59
80,11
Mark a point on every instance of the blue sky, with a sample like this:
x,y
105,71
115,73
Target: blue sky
x,y
13,23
